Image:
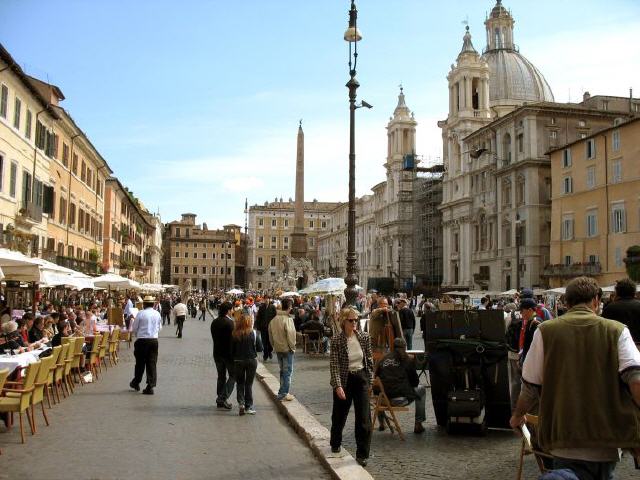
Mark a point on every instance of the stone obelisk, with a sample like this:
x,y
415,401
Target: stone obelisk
x,y
299,237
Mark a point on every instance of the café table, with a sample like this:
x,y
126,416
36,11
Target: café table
x,y
20,360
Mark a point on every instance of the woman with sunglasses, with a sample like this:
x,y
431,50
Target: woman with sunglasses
x,y
351,367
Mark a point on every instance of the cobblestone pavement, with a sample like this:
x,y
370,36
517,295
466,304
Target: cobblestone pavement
x,y
108,431
433,454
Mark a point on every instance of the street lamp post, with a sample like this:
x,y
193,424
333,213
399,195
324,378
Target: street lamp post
x,y
352,35
399,257
518,239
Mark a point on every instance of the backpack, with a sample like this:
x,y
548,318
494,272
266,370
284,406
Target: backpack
x,y
512,335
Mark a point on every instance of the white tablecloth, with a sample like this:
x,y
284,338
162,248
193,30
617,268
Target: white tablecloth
x,y
21,360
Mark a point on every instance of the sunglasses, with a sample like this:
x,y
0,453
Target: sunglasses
x,y
352,320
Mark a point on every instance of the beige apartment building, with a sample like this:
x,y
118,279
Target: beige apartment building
x,y
77,173
201,258
595,208
128,234
270,229
28,145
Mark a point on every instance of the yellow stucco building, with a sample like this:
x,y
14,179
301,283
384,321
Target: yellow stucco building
x,y
595,205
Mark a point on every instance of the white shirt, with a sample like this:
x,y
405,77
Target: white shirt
x,y
128,307
355,353
180,310
147,323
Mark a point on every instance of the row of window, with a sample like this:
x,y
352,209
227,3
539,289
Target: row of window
x,y
17,112
285,223
47,141
618,258
590,149
285,242
616,177
618,222
194,270
202,255
77,218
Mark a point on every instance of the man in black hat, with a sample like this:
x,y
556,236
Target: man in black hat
x,y
146,326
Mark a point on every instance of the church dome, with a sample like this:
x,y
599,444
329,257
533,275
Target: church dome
x,y
512,78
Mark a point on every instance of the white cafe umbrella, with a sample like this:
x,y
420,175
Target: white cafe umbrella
x,y
290,294
235,291
115,282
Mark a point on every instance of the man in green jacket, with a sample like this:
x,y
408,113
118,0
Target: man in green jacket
x,y
586,372
282,334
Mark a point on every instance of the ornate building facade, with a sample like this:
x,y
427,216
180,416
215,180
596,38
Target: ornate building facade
x,y
270,231
496,207
384,219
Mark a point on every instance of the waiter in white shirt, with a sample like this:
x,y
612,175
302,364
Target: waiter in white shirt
x,y
146,327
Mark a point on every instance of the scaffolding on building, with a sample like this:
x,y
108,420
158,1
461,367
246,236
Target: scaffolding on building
x,y
427,261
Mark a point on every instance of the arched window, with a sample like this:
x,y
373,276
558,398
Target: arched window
x,y
498,38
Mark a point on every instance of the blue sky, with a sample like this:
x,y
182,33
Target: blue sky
x,y
195,104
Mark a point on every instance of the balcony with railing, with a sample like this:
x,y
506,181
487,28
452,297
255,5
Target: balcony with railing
x,y
85,266
573,270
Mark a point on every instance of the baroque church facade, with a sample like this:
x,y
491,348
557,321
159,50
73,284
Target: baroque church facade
x,y
502,121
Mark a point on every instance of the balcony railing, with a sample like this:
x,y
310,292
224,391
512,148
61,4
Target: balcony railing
x,y
573,270
84,266
30,211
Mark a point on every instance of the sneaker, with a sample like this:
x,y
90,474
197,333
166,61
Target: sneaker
x,y
226,405
418,428
135,386
335,449
241,410
250,411
288,397
148,390
361,461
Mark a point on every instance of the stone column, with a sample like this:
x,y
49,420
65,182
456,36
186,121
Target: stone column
x,y
299,237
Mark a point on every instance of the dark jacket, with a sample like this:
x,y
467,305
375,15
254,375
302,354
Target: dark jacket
x,y
165,305
221,329
247,347
265,314
627,311
399,378
407,318
35,335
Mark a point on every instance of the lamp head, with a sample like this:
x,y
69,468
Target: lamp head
x,y
366,105
352,34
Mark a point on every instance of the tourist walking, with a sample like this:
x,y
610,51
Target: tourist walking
x,y
165,310
221,331
625,308
585,370
145,327
407,322
245,345
180,315
203,309
351,367
266,313
282,335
